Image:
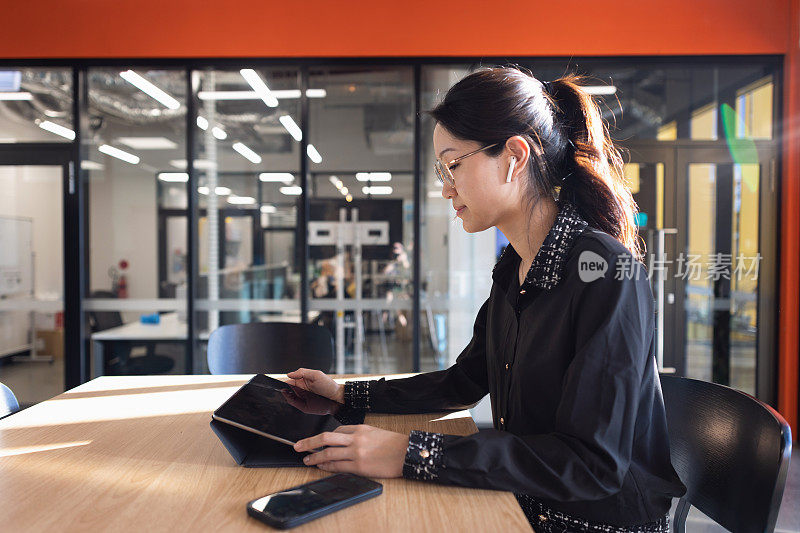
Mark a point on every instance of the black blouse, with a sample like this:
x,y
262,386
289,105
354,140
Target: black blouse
x,y
568,360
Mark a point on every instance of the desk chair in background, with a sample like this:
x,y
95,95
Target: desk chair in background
x,y
269,348
118,360
8,402
730,450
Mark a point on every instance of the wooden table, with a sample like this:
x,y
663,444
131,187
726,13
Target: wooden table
x,y
136,453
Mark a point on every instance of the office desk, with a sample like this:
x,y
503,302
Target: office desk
x,y
136,453
168,330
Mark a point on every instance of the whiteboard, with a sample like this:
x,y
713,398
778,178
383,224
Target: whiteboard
x,y
16,256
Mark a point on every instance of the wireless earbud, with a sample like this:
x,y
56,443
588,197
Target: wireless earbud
x,y
511,169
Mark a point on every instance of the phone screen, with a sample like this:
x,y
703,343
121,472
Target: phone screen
x,y
314,496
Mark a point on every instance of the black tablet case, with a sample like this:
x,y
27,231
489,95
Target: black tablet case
x,y
256,451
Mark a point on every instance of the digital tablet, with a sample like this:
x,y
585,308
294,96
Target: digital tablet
x,y
279,411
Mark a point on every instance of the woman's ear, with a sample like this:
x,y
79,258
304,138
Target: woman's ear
x,y
518,149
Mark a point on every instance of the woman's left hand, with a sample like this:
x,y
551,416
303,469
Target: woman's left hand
x,y
362,449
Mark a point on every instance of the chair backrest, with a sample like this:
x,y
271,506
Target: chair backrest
x,y
269,347
8,402
730,450
103,320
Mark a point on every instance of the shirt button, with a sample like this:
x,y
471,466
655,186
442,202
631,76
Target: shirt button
x,y
502,421
522,291
506,366
542,518
424,454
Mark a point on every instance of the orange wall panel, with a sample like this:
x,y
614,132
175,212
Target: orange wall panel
x,y
290,28
789,284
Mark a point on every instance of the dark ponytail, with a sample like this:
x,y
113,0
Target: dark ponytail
x,y
596,185
572,154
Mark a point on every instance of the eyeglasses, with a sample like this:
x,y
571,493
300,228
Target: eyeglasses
x,y
443,172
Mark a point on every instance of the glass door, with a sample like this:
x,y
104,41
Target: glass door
x,y
710,233
32,361
650,174
726,265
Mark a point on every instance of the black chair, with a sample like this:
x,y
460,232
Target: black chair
x,y
118,360
269,347
8,402
730,450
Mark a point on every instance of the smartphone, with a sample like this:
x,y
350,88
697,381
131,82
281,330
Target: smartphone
x,y
298,505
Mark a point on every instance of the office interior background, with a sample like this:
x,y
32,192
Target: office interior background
x,y
152,168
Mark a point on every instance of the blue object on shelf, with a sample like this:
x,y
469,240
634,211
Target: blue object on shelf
x,y
155,318
641,219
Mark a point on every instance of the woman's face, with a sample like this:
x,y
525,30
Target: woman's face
x,y
481,197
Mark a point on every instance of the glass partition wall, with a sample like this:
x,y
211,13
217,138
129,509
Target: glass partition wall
x,y
248,149
361,203
135,155
36,111
234,192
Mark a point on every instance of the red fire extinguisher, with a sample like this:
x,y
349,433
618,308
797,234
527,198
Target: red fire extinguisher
x,y
122,283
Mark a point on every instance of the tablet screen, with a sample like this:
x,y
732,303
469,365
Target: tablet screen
x,y
276,408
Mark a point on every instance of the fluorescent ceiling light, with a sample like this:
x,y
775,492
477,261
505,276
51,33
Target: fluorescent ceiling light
x,y
374,176
16,96
222,191
313,154
376,190
349,198
52,127
202,123
247,153
219,133
119,154
336,181
252,95
200,164
219,191
148,143
276,177
600,89
91,165
149,89
291,127
345,191
293,190
241,200
268,208
173,177
10,80
229,95
259,86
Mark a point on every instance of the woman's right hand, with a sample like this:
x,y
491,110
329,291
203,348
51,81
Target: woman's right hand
x,y
317,382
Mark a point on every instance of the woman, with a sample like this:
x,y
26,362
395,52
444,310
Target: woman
x,y
564,345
